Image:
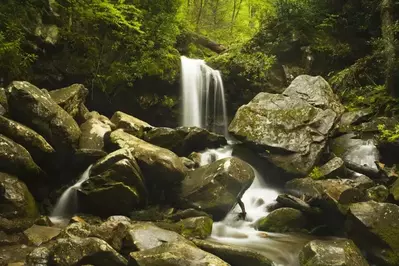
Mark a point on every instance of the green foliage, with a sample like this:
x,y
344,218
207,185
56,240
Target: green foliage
x,y
316,173
389,135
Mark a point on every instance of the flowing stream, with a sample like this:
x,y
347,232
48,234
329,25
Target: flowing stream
x,y
197,85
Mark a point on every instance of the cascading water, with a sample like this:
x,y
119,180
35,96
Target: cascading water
x,y
67,204
199,81
203,96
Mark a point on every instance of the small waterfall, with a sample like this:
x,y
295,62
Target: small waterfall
x,y
67,204
203,96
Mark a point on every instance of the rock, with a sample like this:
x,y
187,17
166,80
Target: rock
x,y
38,234
189,164
15,199
290,201
84,251
16,160
14,255
36,145
36,109
146,236
197,227
38,257
394,190
77,229
160,166
353,118
12,239
335,168
132,124
184,214
282,220
235,256
15,225
196,158
151,213
174,254
378,193
70,98
184,140
93,132
3,102
374,227
115,185
339,252
316,91
290,132
44,221
85,157
215,188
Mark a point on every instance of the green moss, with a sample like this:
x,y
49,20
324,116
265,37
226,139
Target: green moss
x,y
316,173
283,220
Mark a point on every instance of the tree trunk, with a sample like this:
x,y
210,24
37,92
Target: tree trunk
x,y
199,15
388,36
205,42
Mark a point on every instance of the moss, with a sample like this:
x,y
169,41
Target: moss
x,y
199,227
316,173
283,220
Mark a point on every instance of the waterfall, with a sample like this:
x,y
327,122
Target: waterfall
x,y
203,96
67,204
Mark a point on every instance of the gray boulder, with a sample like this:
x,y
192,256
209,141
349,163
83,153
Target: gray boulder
x,y
38,234
215,188
93,132
335,168
283,220
35,108
130,123
339,252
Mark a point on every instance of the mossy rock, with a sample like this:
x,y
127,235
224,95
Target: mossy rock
x,y
70,98
198,227
283,220
130,123
378,193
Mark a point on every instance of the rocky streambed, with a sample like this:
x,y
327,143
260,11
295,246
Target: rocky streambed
x,y
150,200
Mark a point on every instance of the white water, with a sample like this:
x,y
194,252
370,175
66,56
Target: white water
x,y
67,204
365,154
204,102
198,83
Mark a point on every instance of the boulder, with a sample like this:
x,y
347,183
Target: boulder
x,y
15,199
184,140
40,150
290,201
84,251
283,220
184,214
93,132
38,257
394,190
36,109
350,119
38,234
378,193
316,91
374,227
160,166
335,168
16,160
196,227
3,102
289,132
71,99
16,225
115,186
174,254
338,252
215,188
130,123
235,256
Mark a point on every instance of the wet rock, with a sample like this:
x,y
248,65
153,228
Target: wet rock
x,y
196,158
115,186
282,220
189,164
93,132
174,254
215,188
289,132
159,165
353,118
290,201
339,252
235,256
38,234
16,160
44,221
36,109
15,199
130,123
374,227
38,257
378,193
77,229
71,98
184,140
196,227
335,168
184,214
144,236
36,145
84,251
15,225
85,157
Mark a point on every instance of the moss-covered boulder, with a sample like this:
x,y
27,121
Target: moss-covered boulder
x,y
40,150
283,220
339,252
115,186
335,168
160,166
235,256
184,140
215,188
71,99
16,160
15,199
174,254
196,227
130,123
35,108
38,256
85,251
93,132
374,227
290,132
